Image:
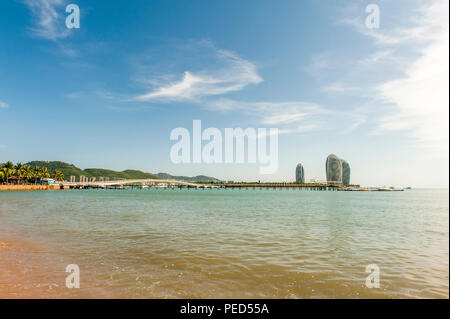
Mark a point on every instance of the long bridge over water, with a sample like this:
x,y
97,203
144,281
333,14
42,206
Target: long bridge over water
x,y
173,183
134,182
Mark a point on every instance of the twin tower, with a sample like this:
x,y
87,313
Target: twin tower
x,y
337,171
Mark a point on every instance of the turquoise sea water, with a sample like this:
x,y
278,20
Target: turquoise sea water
x,y
226,243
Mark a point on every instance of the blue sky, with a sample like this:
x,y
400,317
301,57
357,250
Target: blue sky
x,y
109,93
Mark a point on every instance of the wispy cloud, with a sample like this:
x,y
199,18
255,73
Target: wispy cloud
x,y
3,105
118,108
48,19
407,76
292,117
235,74
207,85
376,57
340,87
380,36
425,24
420,98
269,113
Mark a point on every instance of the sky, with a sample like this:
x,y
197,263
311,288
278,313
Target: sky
x,y
108,94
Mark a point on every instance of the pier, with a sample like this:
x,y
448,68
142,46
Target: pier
x,y
172,184
280,186
135,183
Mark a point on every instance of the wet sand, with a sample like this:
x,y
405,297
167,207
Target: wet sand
x,y
26,273
252,244
29,187
21,273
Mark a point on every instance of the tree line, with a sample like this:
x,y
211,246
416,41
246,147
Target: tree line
x,y
26,173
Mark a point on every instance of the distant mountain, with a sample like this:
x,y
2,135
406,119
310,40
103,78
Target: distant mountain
x,y
65,168
127,174
70,169
198,178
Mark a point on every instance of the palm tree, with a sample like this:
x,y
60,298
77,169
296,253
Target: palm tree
x,y
19,170
9,169
58,175
19,165
28,172
2,173
45,172
37,173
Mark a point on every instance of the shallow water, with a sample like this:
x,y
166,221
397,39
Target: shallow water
x,y
156,243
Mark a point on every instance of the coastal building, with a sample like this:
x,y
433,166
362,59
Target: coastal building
x,y
345,173
47,181
337,170
299,174
333,167
72,179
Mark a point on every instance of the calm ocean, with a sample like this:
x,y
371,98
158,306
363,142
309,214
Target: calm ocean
x,y
156,243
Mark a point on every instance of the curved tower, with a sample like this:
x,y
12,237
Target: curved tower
x,y
333,167
345,173
299,174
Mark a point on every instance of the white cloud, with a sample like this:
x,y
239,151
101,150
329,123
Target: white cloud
x,y
269,113
425,24
291,117
3,105
340,87
235,74
49,18
230,73
380,36
421,97
416,102
377,57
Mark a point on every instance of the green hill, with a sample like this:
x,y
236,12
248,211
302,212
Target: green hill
x,y
127,174
65,168
198,178
70,169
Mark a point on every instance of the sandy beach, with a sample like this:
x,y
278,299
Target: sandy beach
x,y
149,243
25,272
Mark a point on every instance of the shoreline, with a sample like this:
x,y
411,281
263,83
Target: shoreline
x,y
131,245
238,186
26,273
30,187
20,270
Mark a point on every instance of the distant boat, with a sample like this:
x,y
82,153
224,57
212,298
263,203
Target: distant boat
x,y
356,189
389,189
